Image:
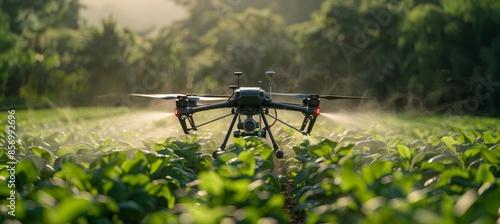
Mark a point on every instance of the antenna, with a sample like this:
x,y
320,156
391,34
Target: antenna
x,y
270,73
238,74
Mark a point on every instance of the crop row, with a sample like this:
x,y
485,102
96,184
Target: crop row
x,y
425,171
447,180
174,181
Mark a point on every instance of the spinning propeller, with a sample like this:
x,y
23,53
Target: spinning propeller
x,y
327,97
178,96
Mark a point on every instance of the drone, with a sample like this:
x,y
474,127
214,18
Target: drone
x,y
247,103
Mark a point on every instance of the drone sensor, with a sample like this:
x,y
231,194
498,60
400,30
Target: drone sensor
x,y
249,125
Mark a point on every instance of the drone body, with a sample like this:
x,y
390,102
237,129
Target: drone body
x,y
246,104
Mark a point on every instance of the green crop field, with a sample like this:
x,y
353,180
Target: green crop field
x,y
121,165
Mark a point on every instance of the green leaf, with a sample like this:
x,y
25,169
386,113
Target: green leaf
x,y
155,162
452,175
130,210
404,151
449,142
239,142
484,174
265,152
135,165
203,162
491,156
68,210
26,174
115,189
161,217
276,201
371,144
433,140
323,149
116,157
489,139
67,149
160,189
302,148
211,182
135,180
376,170
225,157
433,166
75,174
43,153
345,150
446,159
350,181
248,158
420,157
474,150
469,138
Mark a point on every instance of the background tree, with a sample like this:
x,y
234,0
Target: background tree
x,y
449,47
252,41
409,54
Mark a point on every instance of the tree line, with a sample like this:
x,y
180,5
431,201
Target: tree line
x,y
439,56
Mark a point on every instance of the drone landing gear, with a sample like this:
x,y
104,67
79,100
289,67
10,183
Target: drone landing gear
x,y
223,145
261,133
277,152
217,153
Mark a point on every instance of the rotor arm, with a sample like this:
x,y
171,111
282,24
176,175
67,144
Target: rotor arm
x,y
310,114
186,113
292,107
191,110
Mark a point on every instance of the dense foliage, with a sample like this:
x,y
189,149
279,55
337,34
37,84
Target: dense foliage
x,y
398,169
409,54
423,171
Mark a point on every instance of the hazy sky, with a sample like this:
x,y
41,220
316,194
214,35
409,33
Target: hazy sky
x,y
136,14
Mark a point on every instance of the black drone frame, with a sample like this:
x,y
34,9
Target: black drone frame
x,y
249,102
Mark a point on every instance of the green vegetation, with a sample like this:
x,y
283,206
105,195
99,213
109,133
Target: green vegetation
x,y
409,54
114,163
368,168
404,170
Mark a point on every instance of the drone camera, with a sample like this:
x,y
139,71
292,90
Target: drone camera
x,y
249,125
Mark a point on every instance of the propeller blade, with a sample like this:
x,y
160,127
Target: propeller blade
x,y
175,96
159,96
328,97
337,97
207,98
214,95
297,95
